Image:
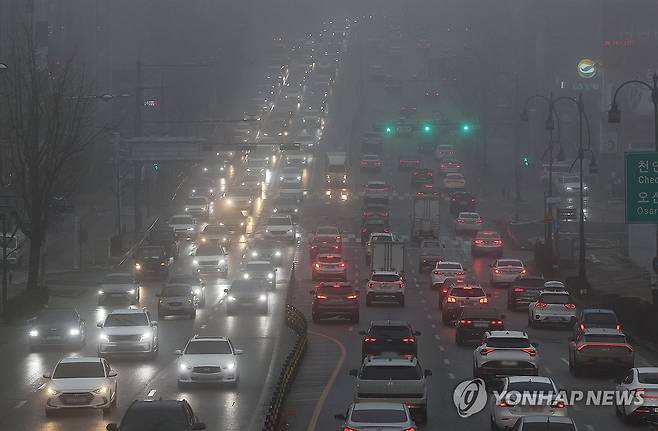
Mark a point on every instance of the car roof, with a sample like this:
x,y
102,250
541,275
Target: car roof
x,y
506,334
208,338
258,262
122,274
448,261
76,359
377,406
389,323
598,311
547,419
397,361
385,273
601,331
554,292
144,404
127,311
534,379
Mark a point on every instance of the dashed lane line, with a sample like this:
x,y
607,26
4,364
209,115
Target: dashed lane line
x,y
441,348
151,393
20,404
564,360
451,376
438,338
446,361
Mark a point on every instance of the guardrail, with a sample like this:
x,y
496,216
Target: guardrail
x,y
296,321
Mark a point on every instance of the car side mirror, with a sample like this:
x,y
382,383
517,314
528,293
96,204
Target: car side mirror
x,y
362,332
154,323
225,290
427,373
354,372
199,426
112,373
340,417
46,375
534,344
178,352
99,324
417,333
239,351
112,427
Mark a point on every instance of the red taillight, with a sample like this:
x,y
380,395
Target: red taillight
x,y
477,241
618,327
478,220
642,410
320,296
465,322
558,405
317,266
460,220
519,289
342,264
582,326
337,239
444,290
581,347
409,429
400,284
496,322
409,340
570,306
370,339
451,299
370,284
484,300
524,271
349,429
415,174
352,296
497,271
460,273
497,242
540,305
437,272
530,351
486,351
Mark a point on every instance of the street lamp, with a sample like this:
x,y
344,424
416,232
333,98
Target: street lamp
x,y
3,67
614,115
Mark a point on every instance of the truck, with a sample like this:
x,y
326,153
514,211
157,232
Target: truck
x,y
425,217
388,255
336,169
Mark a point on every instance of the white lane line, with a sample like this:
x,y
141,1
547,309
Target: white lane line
x,y
437,337
433,326
151,393
589,428
565,360
446,361
351,328
423,300
451,376
203,326
20,404
41,387
429,316
548,370
441,348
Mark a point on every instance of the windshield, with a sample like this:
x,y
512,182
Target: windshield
x,y
506,262
389,331
326,231
469,215
449,266
605,338
56,316
379,416
542,426
336,169
165,418
182,220
385,278
79,370
213,230
128,319
12,243
119,279
196,201
488,235
390,373
464,292
543,387
292,171
279,221
208,250
168,291
149,252
258,267
555,299
208,348
600,319
508,342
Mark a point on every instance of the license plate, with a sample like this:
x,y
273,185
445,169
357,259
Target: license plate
x,y
481,324
508,363
53,337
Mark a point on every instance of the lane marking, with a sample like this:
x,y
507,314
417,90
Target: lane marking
x,y
41,387
20,404
151,393
451,376
203,326
437,337
548,370
433,326
446,361
565,360
429,316
334,374
441,348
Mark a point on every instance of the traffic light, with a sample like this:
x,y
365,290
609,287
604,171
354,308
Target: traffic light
x,y
389,130
466,127
426,128
156,166
525,161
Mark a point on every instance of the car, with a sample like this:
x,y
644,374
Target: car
x,y
163,236
524,290
595,318
261,270
371,143
505,353
287,205
335,299
57,327
444,151
389,336
149,414
196,284
296,158
430,252
505,271
408,162
280,227
462,201
291,190
445,269
460,297
395,379
427,190
253,181
291,174
208,359
151,260
545,423
376,191
314,121
468,222
569,185
265,249
420,176
454,181
642,381
600,347
81,383
217,233
450,166
259,162
247,293
377,415
240,198
197,206
370,226
184,226
487,242
473,322
541,398
329,266
175,300
386,285
455,281
119,286
233,220
211,258
326,239
371,162
129,331
554,286
554,308
432,94
378,236
375,210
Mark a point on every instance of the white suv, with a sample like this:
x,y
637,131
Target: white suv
x,y
128,331
280,227
395,379
208,359
444,269
552,308
505,353
386,285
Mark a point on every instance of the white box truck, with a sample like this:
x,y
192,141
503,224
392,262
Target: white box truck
x,y
425,217
336,169
388,256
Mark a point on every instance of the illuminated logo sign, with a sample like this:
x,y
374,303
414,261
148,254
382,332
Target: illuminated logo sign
x,y
587,68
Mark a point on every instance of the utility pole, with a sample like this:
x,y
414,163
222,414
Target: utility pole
x,y
139,98
517,152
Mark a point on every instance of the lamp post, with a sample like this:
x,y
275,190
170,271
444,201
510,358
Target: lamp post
x,y
614,114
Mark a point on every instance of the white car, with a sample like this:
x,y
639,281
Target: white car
x,y
505,271
468,222
208,359
570,184
291,190
184,226
215,233
296,158
445,269
376,191
291,174
552,308
454,181
119,286
386,285
377,416
504,414
211,258
81,383
505,353
280,227
128,331
644,381
198,206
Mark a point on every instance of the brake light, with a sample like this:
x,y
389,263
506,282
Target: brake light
x,y
581,347
497,242
519,289
484,300
437,272
530,351
400,284
415,174
465,322
342,264
338,239
618,327
558,405
497,271
317,265
582,327
352,296
486,351
570,306
460,220
524,271
477,241
409,340
321,296
409,429
370,339
364,229
496,322
540,305
348,429
478,220
370,284
451,299
460,273
642,410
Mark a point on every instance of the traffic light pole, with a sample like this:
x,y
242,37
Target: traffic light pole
x,y
517,155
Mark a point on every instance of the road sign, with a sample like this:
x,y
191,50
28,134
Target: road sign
x,y
641,175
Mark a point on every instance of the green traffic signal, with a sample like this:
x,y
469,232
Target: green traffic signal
x,y
156,166
388,130
466,127
427,128
525,161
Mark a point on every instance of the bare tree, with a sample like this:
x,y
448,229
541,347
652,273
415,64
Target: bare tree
x,y
49,126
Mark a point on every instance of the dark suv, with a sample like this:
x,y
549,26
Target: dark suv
x,y
392,336
474,322
524,290
158,414
163,236
335,299
462,202
421,176
151,260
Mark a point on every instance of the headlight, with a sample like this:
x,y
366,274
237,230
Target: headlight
x,y
229,202
289,230
267,231
34,333
270,276
231,298
193,190
102,390
187,209
277,253
275,210
52,392
241,223
74,332
213,190
190,229
197,292
203,239
103,338
146,336
230,366
100,292
585,187
299,178
280,178
254,254
262,298
195,262
131,292
138,266
222,261
183,367
569,189
296,209
245,276
249,201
